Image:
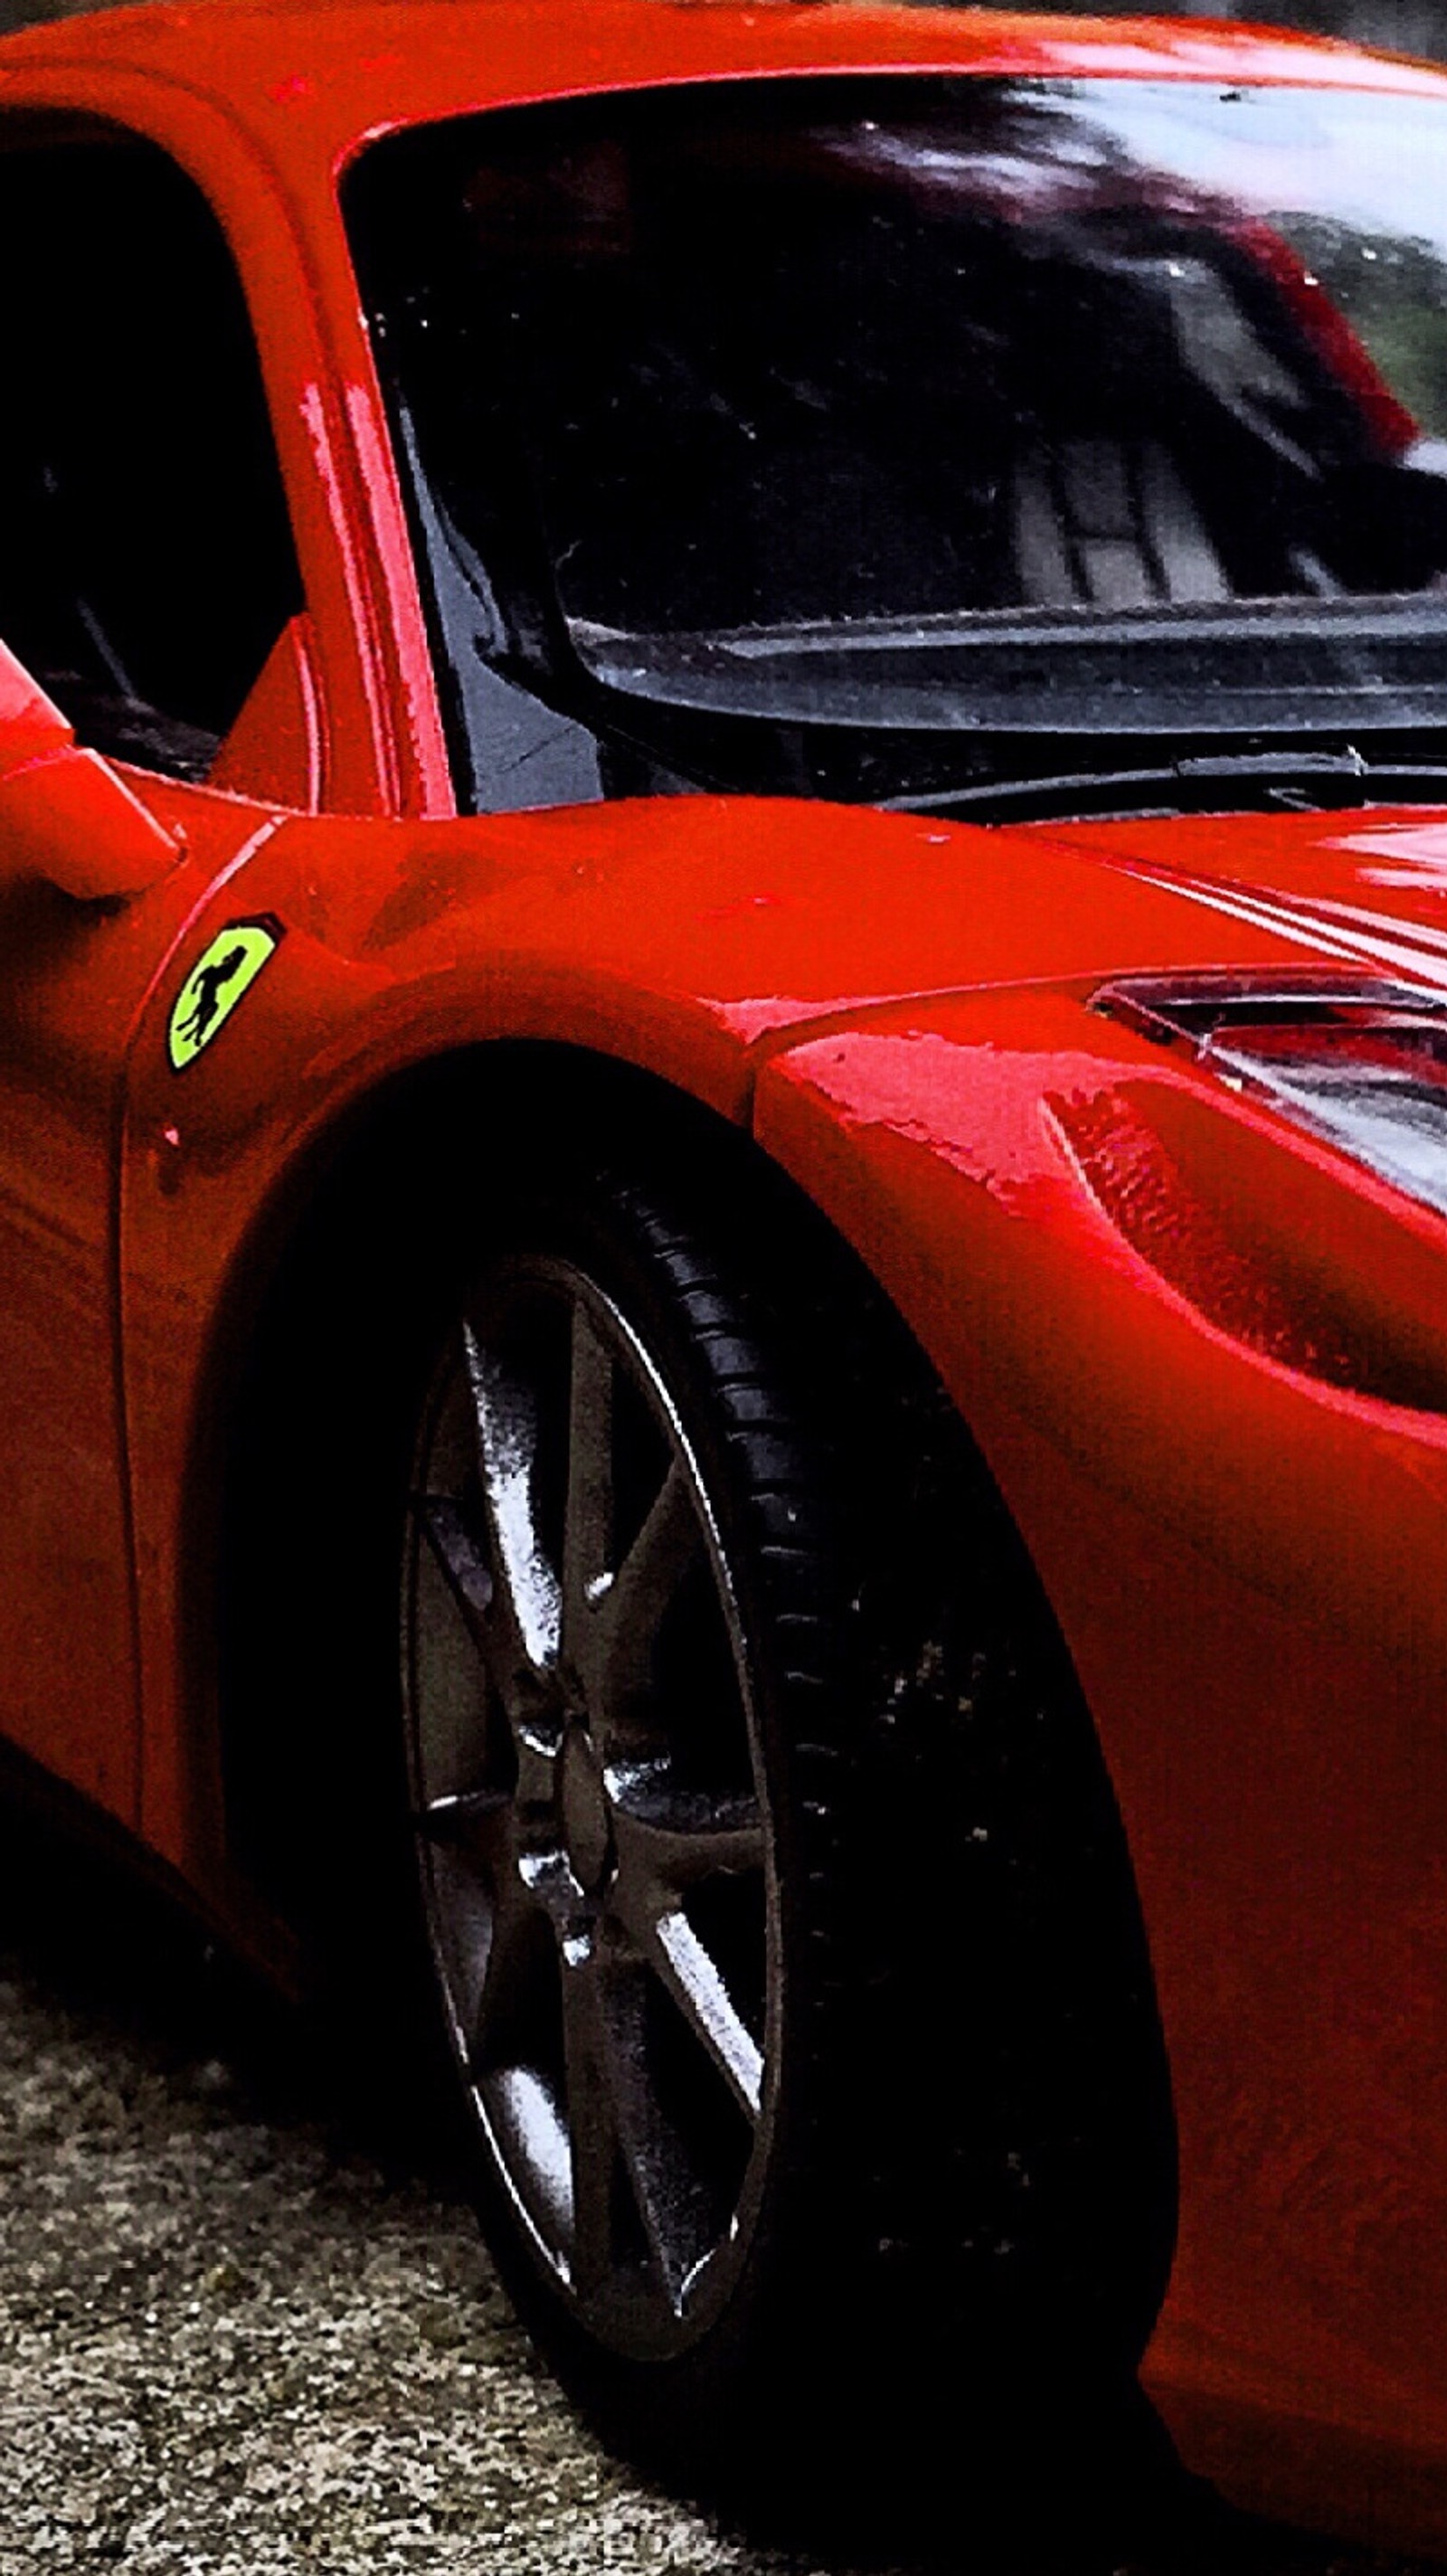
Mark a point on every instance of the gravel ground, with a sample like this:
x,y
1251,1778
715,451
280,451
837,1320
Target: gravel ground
x,y
234,2334
243,2332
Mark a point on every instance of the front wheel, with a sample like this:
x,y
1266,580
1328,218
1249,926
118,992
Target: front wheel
x,y
776,1904
596,1830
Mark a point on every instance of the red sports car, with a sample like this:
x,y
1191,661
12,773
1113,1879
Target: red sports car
x,y
723,1152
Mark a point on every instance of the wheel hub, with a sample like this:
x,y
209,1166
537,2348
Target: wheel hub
x,y
584,1811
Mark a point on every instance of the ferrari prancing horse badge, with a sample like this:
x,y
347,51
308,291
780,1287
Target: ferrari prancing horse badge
x,y
216,984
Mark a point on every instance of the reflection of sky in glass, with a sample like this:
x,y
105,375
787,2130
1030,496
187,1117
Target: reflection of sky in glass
x,y
1376,163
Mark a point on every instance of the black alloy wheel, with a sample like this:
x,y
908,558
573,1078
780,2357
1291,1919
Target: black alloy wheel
x,y
590,1802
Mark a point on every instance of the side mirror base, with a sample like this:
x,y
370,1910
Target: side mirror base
x,y
67,817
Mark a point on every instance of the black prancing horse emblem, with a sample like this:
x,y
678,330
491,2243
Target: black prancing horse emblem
x,y
215,985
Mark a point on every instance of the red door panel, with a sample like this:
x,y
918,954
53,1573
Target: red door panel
x,y
73,978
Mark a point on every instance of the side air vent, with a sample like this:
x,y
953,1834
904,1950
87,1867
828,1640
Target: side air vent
x,y
1267,1241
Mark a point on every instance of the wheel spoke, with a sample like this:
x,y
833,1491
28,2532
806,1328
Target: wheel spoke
x,y
473,1822
501,2007
631,1612
666,1841
482,1825
535,1744
462,1912
469,1840
679,2223
592,2117
669,1838
527,2114
588,1513
693,1979
460,1560
522,1621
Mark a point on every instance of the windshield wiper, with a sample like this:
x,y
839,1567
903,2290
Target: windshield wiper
x,y
1302,781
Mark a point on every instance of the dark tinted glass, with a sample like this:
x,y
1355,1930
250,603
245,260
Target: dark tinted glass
x,y
937,404
146,563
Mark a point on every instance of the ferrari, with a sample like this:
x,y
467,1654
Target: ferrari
x,y
723,1156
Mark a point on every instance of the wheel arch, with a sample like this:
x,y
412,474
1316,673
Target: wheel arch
x,y
348,1191
357,1185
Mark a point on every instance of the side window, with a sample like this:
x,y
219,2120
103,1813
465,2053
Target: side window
x,y
146,559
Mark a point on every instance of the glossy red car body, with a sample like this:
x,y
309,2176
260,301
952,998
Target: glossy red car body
x,y
1249,1562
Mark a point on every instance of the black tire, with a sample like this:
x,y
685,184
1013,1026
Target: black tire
x,y
958,2187
930,2144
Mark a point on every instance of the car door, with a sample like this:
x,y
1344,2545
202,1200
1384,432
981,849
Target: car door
x,y
148,581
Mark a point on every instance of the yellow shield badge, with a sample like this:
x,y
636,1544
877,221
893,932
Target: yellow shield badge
x,y
215,985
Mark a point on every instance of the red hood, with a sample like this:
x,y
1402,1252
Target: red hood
x,y
698,934
1365,889
769,916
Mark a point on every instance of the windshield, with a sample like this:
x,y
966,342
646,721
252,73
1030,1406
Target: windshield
x,y
905,416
